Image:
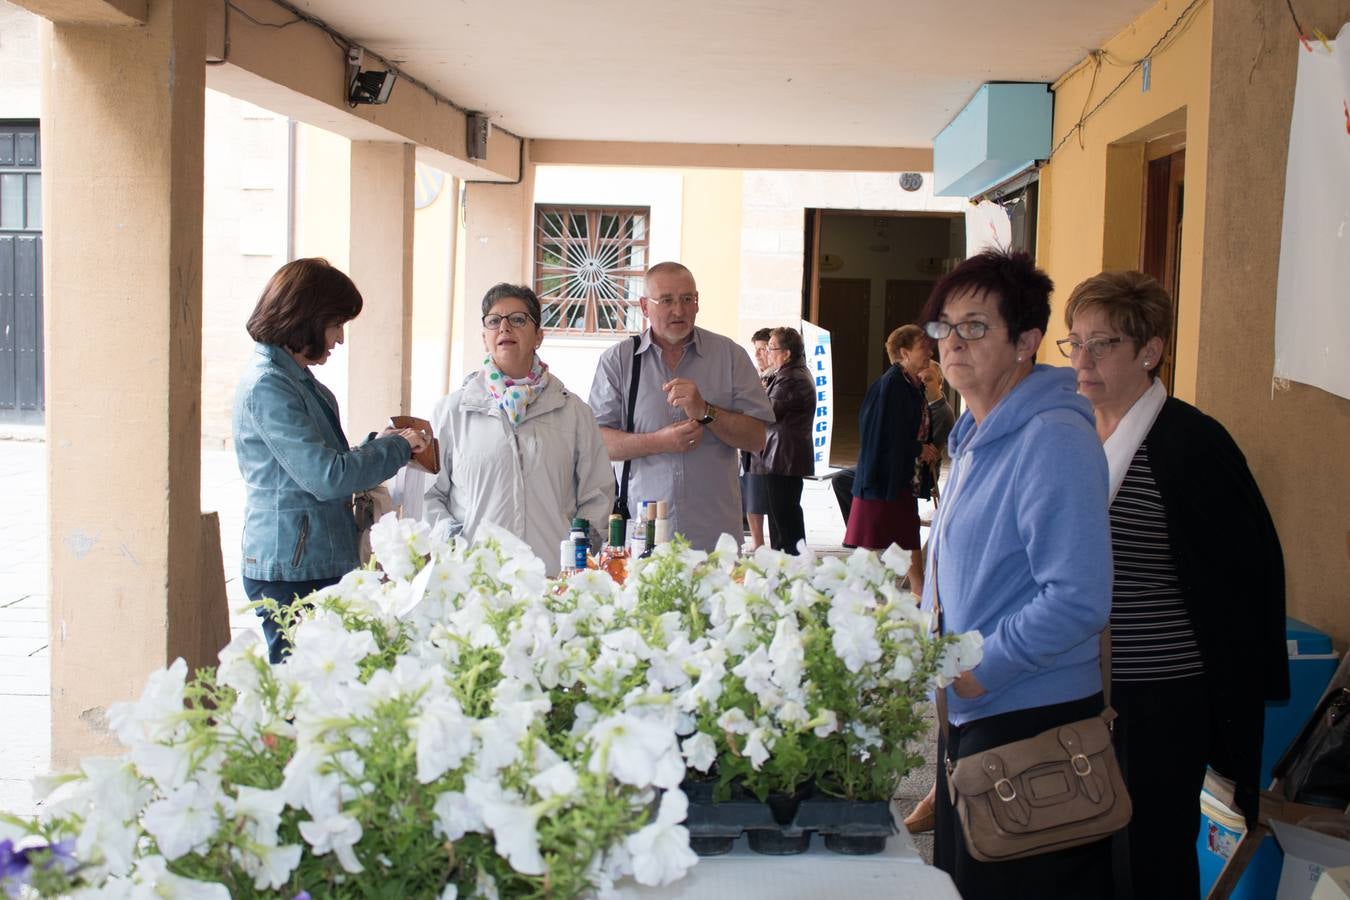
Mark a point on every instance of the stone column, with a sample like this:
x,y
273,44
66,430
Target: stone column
x,y
379,368
122,119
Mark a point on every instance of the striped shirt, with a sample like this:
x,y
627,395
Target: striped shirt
x,y
1152,638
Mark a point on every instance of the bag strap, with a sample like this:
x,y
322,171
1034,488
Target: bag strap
x,y
634,378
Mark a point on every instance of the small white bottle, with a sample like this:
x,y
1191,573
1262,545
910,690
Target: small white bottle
x,y
662,522
567,556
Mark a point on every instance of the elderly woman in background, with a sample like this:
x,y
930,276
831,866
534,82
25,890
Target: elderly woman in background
x,y
518,448
941,418
786,457
893,429
1020,551
299,471
1197,613
754,494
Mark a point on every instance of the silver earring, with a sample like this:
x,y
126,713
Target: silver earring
x,y
1019,359
1146,363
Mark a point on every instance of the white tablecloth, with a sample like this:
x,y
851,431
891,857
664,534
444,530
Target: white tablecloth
x,y
899,873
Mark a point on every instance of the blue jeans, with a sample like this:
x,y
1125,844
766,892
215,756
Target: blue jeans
x,y
285,593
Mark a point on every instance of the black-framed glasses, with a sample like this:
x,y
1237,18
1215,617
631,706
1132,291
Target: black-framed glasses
x,y
971,330
1096,347
517,321
668,301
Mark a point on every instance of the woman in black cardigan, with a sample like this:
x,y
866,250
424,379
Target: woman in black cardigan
x,y
786,458
1197,616
893,429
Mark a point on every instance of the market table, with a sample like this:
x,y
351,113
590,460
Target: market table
x,y
899,873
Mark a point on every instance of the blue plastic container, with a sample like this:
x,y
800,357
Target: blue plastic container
x,y
1311,665
1220,831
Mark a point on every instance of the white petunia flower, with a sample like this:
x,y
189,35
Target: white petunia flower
x,y
700,751
735,721
152,872
395,543
659,853
787,653
456,816
959,657
558,780
854,639
271,866
158,714
756,670
757,747
514,825
444,738
183,821
108,840
640,752
825,723
337,833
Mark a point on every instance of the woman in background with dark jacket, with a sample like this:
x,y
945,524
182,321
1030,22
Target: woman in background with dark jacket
x,y
1197,608
893,427
786,458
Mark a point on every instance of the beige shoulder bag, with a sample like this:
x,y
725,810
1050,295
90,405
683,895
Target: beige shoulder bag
x,y
1059,789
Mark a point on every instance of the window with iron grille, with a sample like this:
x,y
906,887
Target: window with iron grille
x,y
588,267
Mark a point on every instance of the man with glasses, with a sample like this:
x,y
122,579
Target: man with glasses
x,y
698,401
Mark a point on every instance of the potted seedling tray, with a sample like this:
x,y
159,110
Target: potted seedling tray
x,y
784,825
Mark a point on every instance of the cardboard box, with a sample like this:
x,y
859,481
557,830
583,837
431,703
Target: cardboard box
x,y
1333,885
1307,854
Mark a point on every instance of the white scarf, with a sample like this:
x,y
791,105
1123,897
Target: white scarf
x,y
1124,442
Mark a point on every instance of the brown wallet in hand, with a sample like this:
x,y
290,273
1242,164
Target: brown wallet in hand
x,y
429,460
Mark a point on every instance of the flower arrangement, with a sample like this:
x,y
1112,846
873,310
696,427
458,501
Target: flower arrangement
x,y
455,725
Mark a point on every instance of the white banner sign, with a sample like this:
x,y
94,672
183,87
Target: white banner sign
x,y
819,354
1312,298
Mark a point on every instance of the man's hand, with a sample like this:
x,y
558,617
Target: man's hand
x,y
680,437
683,394
967,686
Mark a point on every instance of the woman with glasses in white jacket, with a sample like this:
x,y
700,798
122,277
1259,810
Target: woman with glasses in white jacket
x,y
518,449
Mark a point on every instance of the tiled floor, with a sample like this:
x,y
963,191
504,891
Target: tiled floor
x,y
25,686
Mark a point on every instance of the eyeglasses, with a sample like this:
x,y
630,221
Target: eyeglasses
x,y
971,330
517,321
669,301
775,349
1096,347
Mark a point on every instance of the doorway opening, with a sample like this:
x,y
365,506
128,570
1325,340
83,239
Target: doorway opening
x,y
868,273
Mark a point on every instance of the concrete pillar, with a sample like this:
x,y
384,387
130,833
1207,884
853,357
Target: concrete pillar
x,y
379,367
498,246
122,121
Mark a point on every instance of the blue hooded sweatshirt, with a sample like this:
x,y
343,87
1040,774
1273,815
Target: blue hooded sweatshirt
x,y
1022,547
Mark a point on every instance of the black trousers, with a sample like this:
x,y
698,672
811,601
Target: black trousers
x,y
787,526
1078,873
842,485
1161,739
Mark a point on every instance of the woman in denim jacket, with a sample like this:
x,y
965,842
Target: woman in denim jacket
x,y
299,471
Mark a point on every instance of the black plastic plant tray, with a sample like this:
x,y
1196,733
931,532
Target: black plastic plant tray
x,y
848,826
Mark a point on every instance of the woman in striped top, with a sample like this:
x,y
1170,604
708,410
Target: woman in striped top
x,y
1197,612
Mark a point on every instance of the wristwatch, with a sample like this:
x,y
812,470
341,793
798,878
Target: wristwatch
x,y
709,415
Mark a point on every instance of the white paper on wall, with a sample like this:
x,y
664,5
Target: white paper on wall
x,y
987,228
1312,298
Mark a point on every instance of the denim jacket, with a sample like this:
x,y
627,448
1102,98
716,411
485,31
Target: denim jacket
x,y
299,473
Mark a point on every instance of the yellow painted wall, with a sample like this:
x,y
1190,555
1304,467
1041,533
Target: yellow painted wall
x,y
710,245
1074,240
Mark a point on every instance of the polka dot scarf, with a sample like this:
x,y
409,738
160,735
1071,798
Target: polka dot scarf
x,y
514,394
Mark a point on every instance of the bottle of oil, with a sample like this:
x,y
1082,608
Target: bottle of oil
x,y
614,559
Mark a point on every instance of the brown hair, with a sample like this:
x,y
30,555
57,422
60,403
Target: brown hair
x,y
1135,303
301,300
903,338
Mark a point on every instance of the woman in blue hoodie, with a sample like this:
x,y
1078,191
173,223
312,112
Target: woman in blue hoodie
x,y
1020,552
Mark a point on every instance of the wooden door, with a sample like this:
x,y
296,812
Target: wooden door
x,y
904,302
845,306
1160,252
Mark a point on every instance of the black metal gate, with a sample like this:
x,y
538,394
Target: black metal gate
x,y
21,356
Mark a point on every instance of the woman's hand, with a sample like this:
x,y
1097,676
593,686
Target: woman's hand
x,y
967,686
418,440
929,453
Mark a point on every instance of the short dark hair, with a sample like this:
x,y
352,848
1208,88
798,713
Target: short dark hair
x,y
1021,290
520,292
303,299
761,335
790,339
